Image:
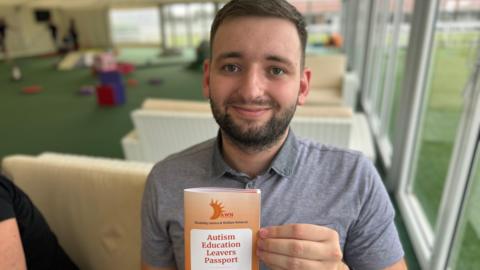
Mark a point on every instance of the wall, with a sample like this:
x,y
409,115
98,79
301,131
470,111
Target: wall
x,y
26,37
92,25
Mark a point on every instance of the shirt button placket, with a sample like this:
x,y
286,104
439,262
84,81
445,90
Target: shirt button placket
x,y
250,184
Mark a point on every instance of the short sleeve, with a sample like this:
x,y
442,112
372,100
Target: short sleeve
x,y
157,248
372,241
6,206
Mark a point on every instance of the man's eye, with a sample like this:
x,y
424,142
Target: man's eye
x,y
231,68
276,71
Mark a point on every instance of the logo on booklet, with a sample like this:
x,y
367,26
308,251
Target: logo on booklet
x,y
219,211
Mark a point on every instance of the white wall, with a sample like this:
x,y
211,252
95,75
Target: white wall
x,y
26,37
92,25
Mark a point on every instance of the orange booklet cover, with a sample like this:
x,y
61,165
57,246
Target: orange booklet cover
x,y
221,227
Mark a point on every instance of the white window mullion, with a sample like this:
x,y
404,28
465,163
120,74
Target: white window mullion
x,y
413,92
405,146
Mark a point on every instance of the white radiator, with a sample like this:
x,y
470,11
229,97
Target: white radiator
x,y
327,130
162,133
132,149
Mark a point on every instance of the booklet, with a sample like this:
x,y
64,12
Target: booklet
x,y
221,227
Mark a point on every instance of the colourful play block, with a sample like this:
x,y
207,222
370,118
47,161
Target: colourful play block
x,y
118,92
86,90
105,62
105,95
112,77
114,80
33,89
132,82
125,68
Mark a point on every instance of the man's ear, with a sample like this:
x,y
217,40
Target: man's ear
x,y
304,86
206,78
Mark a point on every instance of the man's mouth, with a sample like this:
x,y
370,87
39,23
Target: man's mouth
x,y
250,111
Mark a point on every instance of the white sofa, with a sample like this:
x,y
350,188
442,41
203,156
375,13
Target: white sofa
x,y
163,127
92,204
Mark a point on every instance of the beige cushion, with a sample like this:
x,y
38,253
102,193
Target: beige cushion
x,y
326,96
175,105
92,204
324,111
327,70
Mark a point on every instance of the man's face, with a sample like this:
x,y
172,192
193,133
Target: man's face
x,y
254,79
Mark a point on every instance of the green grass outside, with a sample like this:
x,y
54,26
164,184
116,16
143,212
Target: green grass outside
x,y
444,108
317,38
468,243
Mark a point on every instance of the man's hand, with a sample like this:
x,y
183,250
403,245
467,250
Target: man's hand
x,y
300,246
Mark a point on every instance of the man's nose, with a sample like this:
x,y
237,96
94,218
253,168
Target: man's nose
x,y
253,84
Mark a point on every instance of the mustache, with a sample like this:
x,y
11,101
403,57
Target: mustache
x,y
238,101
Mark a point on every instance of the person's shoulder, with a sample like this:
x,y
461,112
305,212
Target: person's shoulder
x,y
194,152
5,183
183,168
334,160
7,195
317,151
342,167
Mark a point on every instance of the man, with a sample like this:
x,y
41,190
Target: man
x,y
52,28
322,207
26,238
73,35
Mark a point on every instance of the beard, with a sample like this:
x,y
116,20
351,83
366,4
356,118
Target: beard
x,y
248,135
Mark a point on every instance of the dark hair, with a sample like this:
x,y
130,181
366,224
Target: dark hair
x,y
262,8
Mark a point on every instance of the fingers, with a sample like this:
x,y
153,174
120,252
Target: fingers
x,y
281,262
301,248
299,231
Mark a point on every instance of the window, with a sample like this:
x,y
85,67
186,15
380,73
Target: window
x,y
135,25
438,141
188,24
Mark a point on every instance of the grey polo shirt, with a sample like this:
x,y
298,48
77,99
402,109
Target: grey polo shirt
x,y
307,182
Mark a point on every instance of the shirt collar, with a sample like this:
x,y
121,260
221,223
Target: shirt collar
x,y
283,163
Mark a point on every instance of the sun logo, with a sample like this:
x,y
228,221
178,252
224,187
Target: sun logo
x,y
217,209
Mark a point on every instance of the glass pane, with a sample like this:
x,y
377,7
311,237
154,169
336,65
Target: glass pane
x,y
202,17
453,54
322,18
384,55
375,53
360,40
402,46
188,24
465,254
135,25
176,25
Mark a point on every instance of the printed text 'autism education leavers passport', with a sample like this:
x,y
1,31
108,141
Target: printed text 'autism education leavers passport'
x,y
221,226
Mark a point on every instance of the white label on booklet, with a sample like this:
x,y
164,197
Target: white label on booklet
x,y
221,249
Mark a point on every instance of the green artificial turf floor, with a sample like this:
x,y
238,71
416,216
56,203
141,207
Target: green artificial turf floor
x,y
59,119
